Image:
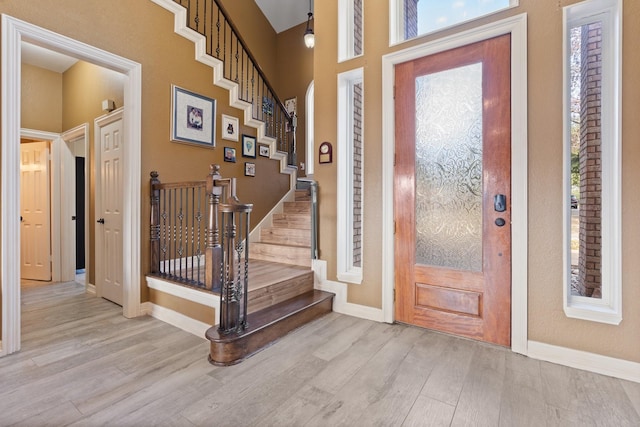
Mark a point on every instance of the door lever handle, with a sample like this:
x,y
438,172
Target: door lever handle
x,y
100,221
500,203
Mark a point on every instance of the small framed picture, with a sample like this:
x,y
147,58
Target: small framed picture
x,y
229,154
248,146
192,118
249,169
230,128
263,150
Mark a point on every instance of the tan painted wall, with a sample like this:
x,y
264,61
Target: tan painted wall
x,y
295,73
143,32
84,86
41,107
547,322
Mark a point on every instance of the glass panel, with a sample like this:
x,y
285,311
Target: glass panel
x,y
586,159
449,168
426,16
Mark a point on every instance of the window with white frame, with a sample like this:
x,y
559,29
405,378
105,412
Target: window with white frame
x,y
413,18
592,163
350,29
350,163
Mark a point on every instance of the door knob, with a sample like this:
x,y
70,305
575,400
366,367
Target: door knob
x,y
100,221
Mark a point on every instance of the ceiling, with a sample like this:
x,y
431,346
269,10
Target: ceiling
x,y
45,58
284,14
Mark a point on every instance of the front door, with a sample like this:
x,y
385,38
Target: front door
x,y
109,256
453,190
35,211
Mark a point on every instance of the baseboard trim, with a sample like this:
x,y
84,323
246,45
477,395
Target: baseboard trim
x,y
578,359
340,304
91,289
176,319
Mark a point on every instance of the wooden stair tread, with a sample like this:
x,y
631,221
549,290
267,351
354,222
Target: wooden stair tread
x,y
266,326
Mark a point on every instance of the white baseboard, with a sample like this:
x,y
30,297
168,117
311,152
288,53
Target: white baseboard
x,y
176,319
184,292
592,362
340,304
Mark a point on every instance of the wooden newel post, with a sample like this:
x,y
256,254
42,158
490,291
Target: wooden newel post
x,y
155,223
213,249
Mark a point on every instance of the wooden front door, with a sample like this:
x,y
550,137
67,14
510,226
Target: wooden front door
x,y
453,190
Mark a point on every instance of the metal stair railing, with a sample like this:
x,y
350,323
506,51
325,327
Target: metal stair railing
x,y
224,42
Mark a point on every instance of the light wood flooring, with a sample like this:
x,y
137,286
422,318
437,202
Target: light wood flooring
x,y
84,364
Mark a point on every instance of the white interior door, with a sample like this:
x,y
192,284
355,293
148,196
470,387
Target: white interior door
x,y
35,207
109,158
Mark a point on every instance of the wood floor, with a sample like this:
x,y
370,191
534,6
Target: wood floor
x,y
84,364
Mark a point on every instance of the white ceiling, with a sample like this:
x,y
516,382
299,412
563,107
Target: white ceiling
x,y
284,14
45,58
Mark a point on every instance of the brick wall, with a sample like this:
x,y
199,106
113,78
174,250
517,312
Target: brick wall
x,y
357,175
589,283
357,27
410,19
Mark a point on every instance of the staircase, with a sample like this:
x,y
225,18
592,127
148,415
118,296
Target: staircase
x,y
281,293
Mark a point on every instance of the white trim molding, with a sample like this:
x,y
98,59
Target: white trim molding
x,y
608,308
14,31
190,294
591,362
176,319
517,27
340,304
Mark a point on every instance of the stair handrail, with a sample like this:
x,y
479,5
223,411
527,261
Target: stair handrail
x,y
275,129
312,185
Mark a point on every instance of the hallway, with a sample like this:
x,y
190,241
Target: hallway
x,y
83,363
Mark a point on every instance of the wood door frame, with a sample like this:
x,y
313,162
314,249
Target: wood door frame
x,y
517,27
13,32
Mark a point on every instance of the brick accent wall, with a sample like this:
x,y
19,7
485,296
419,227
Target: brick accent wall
x,y
589,281
357,175
357,27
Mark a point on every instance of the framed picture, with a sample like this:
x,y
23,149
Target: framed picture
x,y
248,146
230,128
229,154
263,150
192,118
249,169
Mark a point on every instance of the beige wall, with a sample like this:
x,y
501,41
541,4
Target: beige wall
x,y
295,73
41,107
143,32
547,322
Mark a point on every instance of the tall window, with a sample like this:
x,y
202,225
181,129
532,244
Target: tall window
x,y
350,162
413,18
350,29
592,160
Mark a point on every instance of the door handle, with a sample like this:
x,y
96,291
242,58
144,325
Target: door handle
x,y
100,221
500,203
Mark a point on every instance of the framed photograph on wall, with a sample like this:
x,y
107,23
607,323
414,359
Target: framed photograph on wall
x,y
229,154
192,118
263,150
230,128
248,146
249,169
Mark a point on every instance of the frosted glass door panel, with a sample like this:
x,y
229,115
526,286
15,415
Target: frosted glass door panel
x,y
449,168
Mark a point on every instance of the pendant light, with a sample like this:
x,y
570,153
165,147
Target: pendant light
x,y
309,37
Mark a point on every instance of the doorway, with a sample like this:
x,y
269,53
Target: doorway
x,y
453,191
517,27
13,32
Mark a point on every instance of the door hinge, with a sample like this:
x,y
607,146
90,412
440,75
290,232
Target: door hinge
x,y
394,91
394,294
395,227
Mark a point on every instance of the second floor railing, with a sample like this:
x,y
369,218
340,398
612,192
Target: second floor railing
x,y
224,42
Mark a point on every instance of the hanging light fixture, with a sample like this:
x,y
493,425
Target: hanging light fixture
x,y
309,37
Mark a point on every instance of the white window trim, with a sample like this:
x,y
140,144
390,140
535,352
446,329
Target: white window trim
x,y
346,271
607,309
396,21
346,31
309,129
